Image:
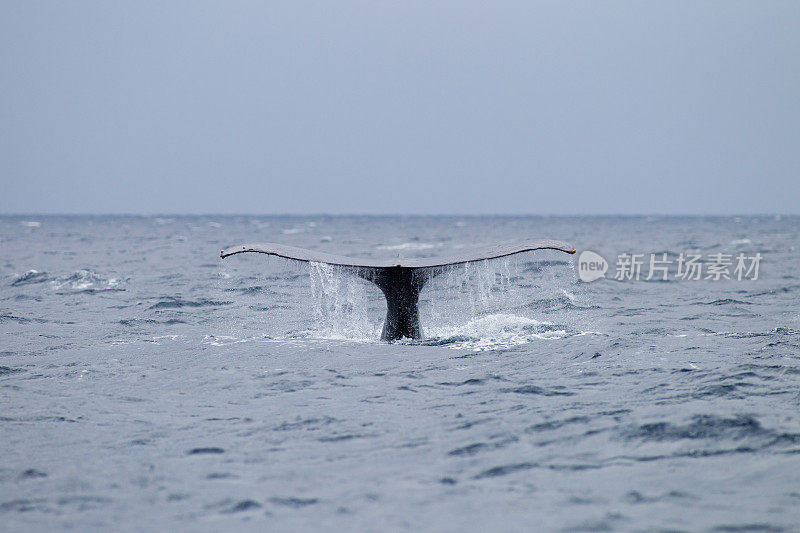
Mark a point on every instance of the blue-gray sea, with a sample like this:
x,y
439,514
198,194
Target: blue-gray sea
x,y
146,384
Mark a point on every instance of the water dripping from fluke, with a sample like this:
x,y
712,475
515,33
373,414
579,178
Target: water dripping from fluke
x,y
400,280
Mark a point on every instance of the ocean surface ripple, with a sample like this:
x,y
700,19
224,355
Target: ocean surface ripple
x,y
147,383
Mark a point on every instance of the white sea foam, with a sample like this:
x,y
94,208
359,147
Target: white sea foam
x,y
495,331
84,280
222,340
409,246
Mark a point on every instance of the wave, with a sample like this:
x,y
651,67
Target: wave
x,y
494,331
293,231
540,391
255,289
409,246
30,277
172,302
6,317
135,322
560,302
713,428
781,330
537,267
725,301
86,281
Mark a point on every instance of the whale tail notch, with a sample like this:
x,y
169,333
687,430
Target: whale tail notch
x,y
400,280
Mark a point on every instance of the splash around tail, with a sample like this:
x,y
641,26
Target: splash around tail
x,y
400,280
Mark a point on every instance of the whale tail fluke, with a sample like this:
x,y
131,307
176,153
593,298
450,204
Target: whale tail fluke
x,y
400,280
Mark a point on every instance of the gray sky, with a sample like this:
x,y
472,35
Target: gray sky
x,y
400,107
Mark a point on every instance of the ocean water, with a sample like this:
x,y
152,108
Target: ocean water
x,y
147,384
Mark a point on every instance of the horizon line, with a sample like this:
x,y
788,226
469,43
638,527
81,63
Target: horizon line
x,y
389,215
